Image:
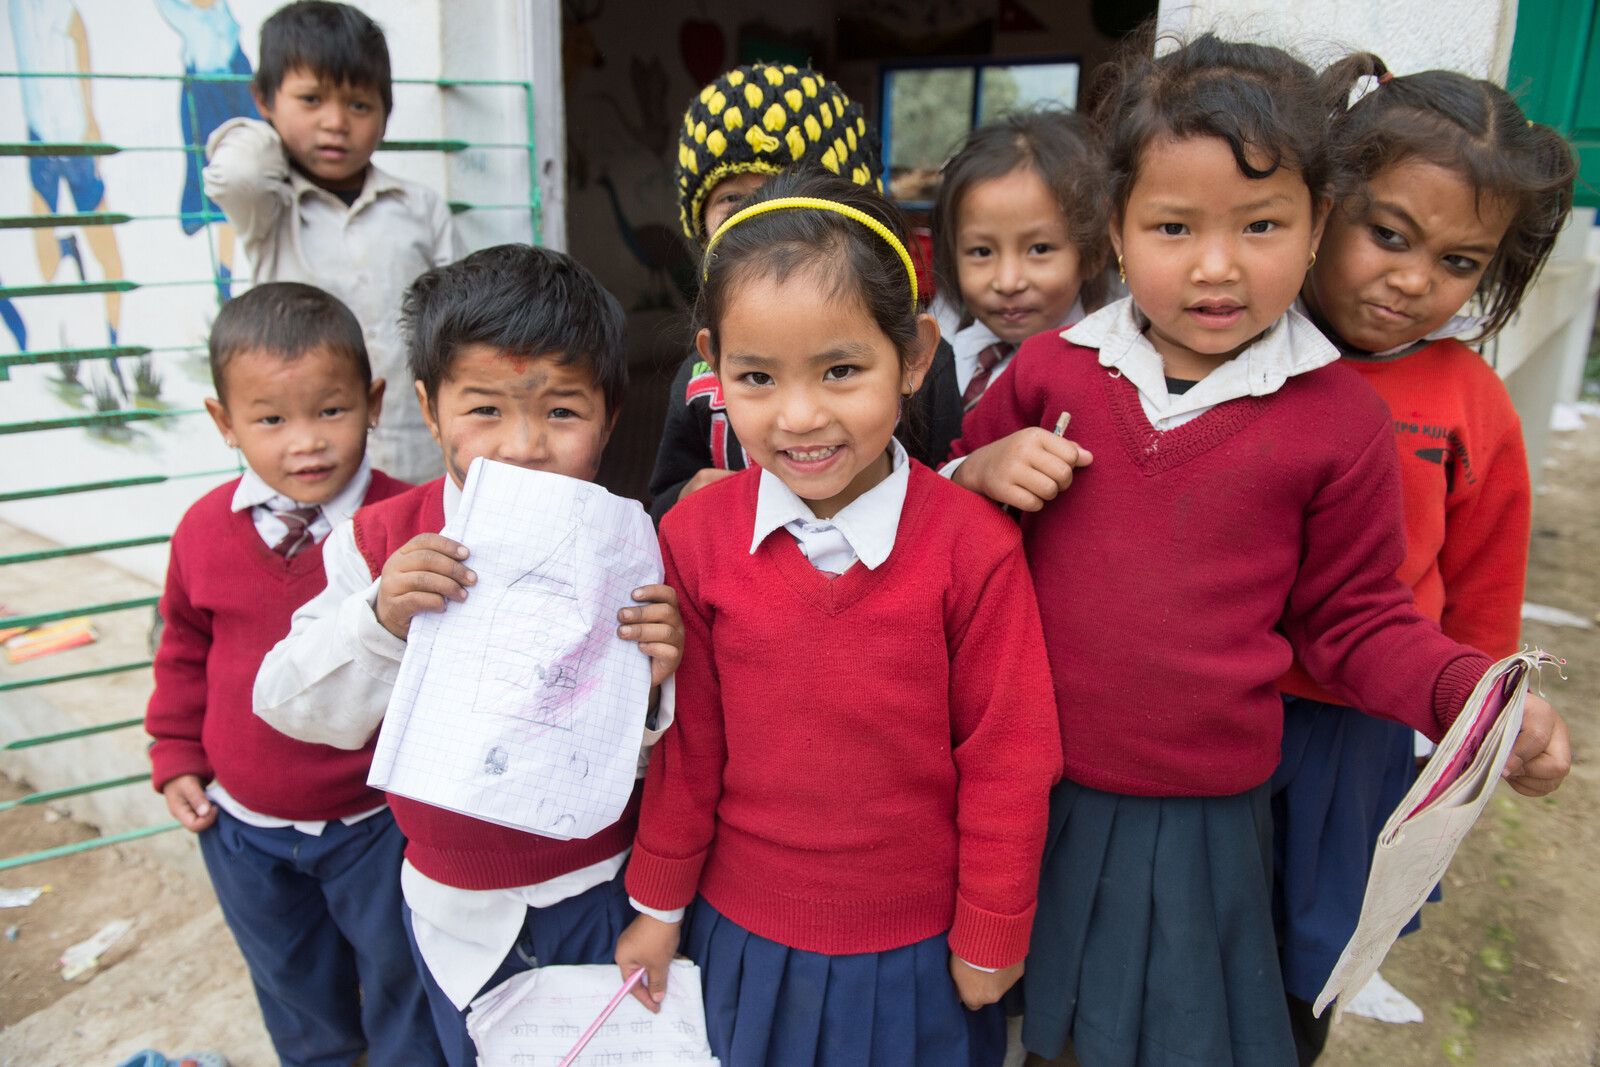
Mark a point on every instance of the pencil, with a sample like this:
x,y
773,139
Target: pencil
x,y
605,1013
1061,423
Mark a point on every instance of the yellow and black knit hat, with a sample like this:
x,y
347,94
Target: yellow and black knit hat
x,y
765,118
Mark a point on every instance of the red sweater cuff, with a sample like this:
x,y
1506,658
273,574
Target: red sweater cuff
x,y
173,759
1455,685
659,882
985,939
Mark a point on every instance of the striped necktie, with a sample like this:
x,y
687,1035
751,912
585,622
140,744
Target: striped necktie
x,y
299,521
988,359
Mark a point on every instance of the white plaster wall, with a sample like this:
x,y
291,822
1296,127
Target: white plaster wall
x,y
428,39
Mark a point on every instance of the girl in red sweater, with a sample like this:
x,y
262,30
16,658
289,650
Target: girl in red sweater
x,y
1242,503
1446,193
852,801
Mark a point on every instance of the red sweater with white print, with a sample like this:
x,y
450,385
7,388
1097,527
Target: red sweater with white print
x,y
1180,569
858,762
455,849
228,599
1464,478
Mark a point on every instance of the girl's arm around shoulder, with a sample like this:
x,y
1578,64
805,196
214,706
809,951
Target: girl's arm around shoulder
x,y
1007,750
329,681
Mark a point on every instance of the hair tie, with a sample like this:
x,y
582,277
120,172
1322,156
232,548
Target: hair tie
x,y
1386,77
846,210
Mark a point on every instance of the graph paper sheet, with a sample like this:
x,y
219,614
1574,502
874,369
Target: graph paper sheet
x,y
1422,835
521,706
534,1018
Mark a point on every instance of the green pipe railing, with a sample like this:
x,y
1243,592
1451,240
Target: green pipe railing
x,y
72,613
104,418
85,846
115,483
68,735
73,790
79,550
52,679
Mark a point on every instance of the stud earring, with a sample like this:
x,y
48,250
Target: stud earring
x,y
1122,275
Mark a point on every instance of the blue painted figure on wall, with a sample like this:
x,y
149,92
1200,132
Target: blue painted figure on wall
x,y
210,46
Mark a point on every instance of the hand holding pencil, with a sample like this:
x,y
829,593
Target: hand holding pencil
x,y
1025,470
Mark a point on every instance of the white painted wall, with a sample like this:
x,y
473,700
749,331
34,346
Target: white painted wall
x,y
428,39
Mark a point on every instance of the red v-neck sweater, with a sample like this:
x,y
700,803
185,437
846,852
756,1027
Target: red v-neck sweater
x,y
861,762
1181,570
459,850
228,599
1464,476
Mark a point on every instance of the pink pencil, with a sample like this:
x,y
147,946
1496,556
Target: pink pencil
x,y
605,1013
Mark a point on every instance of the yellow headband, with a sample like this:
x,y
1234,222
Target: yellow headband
x,y
825,205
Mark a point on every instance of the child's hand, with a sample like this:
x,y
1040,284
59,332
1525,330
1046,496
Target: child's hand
x,y
979,988
1542,754
1023,470
424,574
702,478
651,944
187,800
658,628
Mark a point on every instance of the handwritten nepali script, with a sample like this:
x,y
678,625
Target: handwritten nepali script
x,y
534,1018
1422,835
521,706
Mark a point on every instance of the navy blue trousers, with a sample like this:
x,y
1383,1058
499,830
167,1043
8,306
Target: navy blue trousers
x,y
578,930
318,920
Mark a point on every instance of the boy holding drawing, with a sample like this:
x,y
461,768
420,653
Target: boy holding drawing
x,y
517,352
303,855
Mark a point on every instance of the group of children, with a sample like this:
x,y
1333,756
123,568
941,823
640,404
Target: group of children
x,y
901,743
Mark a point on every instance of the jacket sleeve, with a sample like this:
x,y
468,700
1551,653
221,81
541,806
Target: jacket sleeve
x,y
685,448
684,783
329,681
1484,560
1352,621
177,709
248,176
1007,749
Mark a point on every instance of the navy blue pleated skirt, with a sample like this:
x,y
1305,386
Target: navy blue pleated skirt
x,y
1153,944
1342,774
768,1004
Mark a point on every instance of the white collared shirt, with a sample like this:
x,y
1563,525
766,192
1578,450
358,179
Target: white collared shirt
x,y
365,254
329,682
1455,326
1290,346
254,492
968,342
863,529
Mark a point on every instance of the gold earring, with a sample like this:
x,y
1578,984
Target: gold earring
x,y
1313,262
1122,275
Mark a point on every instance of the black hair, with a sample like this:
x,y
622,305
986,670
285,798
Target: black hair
x,y
332,41
852,261
1259,99
1472,128
523,301
1060,147
285,319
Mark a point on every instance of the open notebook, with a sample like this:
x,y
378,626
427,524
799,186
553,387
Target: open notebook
x,y
1422,835
521,705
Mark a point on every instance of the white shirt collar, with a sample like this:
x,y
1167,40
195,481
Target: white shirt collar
x,y
1455,326
868,523
974,338
452,498
1290,346
253,491
375,183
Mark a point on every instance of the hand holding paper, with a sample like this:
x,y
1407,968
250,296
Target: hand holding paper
x,y
1542,755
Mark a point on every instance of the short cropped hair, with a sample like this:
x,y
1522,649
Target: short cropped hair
x,y
285,319
332,41
524,301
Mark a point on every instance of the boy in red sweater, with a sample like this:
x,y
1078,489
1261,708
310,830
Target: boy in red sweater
x,y
517,352
304,857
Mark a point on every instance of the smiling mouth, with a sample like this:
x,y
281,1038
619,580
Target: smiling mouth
x,y
810,455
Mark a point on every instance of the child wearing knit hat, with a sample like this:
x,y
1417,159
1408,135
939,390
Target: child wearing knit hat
x,y
751,123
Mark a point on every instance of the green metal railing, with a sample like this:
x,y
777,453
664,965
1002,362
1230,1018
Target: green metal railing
x,y
104,420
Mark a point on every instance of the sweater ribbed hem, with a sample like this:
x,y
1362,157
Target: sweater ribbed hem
x,y
502,868
318,802
832,927
662,883
1455,685
1246,779
986,939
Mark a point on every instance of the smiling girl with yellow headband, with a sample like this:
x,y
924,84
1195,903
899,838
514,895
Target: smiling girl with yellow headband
x,y
851,805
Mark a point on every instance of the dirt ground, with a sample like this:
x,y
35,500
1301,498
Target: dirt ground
x,y
1506,969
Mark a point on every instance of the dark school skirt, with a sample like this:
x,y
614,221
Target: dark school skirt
x,y
768,1004
1342,774
1153,944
